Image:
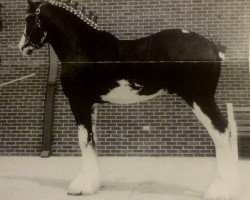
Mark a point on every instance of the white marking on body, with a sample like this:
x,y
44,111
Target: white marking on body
x,y
88,181
227,184
222,55
184,31
125,94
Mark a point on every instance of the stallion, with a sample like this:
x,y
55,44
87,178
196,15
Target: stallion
x,y
99,68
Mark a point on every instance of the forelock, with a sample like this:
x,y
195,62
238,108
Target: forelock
x,y
33,9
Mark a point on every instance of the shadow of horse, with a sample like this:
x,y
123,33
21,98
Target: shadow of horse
x,y
151,187
43,181
148,187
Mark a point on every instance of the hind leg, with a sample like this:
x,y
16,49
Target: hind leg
x,y
226,185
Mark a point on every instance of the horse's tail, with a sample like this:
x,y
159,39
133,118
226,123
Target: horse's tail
x,y
220,47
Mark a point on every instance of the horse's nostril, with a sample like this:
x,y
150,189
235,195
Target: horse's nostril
x,y
29,52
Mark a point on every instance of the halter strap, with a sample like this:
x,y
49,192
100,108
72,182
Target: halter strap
x,y
37,23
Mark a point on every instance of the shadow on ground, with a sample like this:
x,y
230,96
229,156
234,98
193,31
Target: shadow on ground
x,y
48,182
149,187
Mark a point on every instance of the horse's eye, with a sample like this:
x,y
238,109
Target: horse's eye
x,y
29,16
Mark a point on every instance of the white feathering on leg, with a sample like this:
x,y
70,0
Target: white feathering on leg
x,y
227,184
88,181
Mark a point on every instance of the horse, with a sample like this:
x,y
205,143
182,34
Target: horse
x,y
99,68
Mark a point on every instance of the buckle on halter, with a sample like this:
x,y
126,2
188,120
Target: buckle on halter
x,y
38,11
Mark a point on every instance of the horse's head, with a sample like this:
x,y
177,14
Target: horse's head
x,y
35,34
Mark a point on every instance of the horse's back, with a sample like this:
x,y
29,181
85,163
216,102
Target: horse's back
x,y
170,45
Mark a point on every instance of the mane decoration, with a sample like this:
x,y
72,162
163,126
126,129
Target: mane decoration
x,y
80,14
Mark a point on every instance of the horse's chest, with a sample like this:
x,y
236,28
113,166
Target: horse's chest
x,y
125,94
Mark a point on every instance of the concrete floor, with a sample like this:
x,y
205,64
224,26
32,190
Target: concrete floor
x,y
33,178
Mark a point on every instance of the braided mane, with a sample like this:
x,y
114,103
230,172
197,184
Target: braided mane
x,y
76,12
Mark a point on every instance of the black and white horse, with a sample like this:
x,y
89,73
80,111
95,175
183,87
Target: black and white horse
x,y
99,68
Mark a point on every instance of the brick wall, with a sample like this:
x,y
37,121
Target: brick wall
x,y
173,130
21,103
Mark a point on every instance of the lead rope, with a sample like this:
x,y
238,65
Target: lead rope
x,y
8,45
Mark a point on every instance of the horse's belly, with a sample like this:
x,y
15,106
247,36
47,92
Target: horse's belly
x,y
125,94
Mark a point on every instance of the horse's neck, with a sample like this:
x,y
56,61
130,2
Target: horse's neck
x,y
73,40
86,46
66,40
64,43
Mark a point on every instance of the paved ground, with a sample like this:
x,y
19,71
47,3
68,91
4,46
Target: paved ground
x,y
32,178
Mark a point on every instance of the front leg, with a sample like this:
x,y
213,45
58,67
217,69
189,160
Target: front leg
x,y
88,181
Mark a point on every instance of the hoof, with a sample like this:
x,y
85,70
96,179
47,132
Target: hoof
x,y
74,193
222,190
83,185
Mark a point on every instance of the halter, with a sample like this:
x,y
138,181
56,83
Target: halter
x,y
37,24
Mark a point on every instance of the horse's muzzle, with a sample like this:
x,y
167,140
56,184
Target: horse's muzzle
x,y
25,47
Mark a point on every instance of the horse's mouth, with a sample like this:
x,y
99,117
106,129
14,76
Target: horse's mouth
x,y
27,51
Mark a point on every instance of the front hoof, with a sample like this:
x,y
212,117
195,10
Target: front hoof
x,y
222,190
83,185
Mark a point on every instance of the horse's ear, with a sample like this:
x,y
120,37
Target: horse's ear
x,y
31,5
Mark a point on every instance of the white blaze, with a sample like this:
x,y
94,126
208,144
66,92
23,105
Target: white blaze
x,y
22,43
